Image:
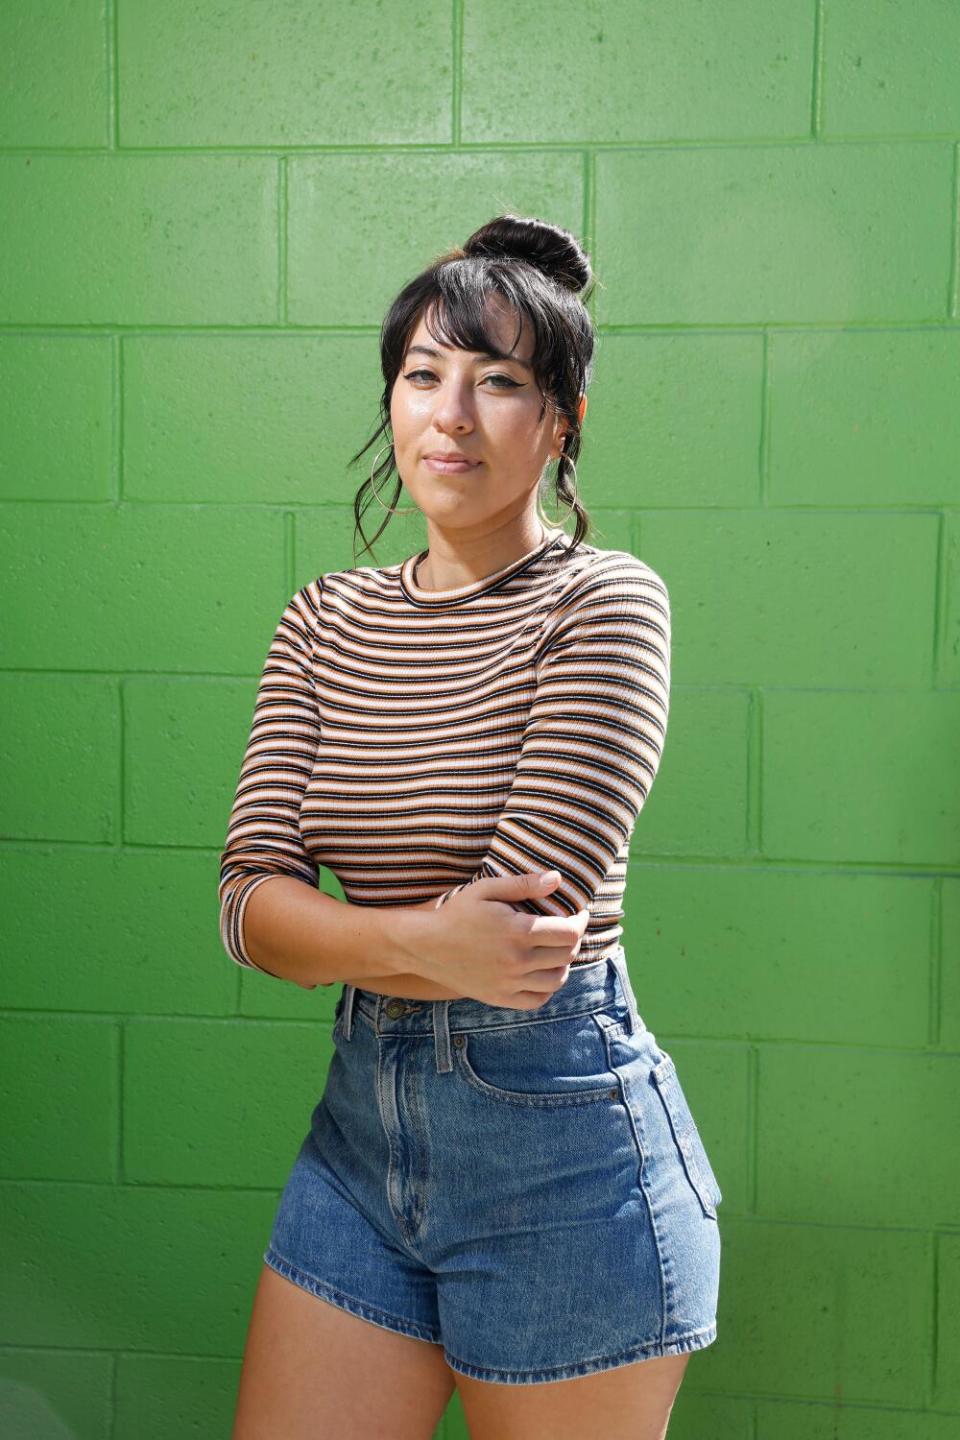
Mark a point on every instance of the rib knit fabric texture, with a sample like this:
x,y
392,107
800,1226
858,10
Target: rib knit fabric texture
x,y
414,741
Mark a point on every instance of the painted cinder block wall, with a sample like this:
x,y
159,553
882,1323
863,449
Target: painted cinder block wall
x,y
206,211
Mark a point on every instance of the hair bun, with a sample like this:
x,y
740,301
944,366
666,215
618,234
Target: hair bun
x,y
550,248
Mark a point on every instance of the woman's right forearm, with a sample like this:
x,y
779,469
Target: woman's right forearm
x,y
300,934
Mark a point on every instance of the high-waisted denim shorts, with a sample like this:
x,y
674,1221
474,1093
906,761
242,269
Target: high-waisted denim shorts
x,y
526,1188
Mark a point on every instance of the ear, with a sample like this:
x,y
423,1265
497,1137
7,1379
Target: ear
x,y
581,410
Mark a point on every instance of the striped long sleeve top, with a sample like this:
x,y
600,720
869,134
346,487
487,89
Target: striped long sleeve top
x,y
414,741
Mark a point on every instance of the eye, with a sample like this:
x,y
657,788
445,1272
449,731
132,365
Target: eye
x,y
509,385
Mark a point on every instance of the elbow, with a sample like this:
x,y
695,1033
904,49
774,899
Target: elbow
x,y
246,862
236,886
235,889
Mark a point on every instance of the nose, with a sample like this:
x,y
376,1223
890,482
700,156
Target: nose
x,y
452,409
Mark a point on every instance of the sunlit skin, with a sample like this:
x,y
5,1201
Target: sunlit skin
x,y
451,399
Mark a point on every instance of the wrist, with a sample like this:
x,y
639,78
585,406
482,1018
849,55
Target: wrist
x,y
406,933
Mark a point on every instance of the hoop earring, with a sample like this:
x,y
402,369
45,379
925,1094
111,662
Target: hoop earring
x,y
376,493
572,506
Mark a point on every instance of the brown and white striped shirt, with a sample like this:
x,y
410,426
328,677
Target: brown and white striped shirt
x,y
415,740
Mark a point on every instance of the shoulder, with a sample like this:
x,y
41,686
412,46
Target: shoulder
x,y
308,600
301,614
607,596
357,582
606,578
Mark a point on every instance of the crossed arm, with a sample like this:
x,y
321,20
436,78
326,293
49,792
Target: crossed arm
x,y
590,752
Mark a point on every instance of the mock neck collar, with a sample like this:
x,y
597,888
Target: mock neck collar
x,y
487,583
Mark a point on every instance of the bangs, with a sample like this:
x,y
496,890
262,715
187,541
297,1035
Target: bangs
x,y
465,300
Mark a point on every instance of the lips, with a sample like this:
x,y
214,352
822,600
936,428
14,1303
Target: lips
x,y
449,467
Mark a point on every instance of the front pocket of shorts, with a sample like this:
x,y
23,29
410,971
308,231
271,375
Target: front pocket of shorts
x,y
546,1062
685,1133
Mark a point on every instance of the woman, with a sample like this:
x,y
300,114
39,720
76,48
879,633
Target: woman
x,y
502,1188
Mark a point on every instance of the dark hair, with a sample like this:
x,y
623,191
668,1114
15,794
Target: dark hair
x,y
541,271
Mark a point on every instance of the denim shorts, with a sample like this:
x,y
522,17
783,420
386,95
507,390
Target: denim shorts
x,y
526,1188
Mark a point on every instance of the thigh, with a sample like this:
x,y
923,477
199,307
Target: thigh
x,y
629,1403
310,1369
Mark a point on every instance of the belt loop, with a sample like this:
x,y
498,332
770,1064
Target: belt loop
x,y
441,1035
348,996
619,961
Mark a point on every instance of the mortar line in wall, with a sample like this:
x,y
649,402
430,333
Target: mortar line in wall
x,y
807,1402
655,861
861,325
776,1044
824,1402
145,503
312,150
785,1221
816,78
153,1352
495,148
320,331
456,75
742,1217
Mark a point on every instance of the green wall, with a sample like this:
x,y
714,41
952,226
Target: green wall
x,y
207,210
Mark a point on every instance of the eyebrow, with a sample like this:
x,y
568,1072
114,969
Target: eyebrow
x,y
484,355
